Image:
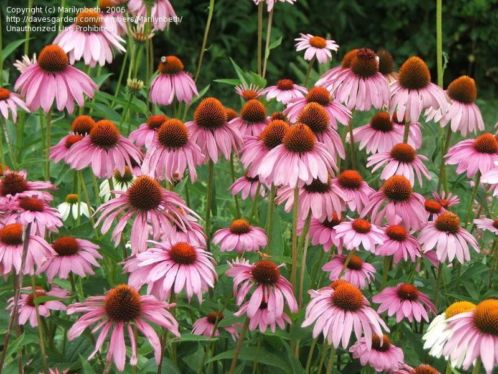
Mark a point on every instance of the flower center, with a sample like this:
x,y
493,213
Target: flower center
x,y
89,20
407,291
170,65
425,369
273,134
347,297
265,272
299,139
106,5
231,114
337,283
432,206
66,246
30,300
486,143
251,179
348,58
145,193
32,204
495,223
173,134
82,125
12,184
381,122
318,42
397,233
318,95
210,114
403,152
285,84
350,179
4,93
364,63
458,308
355,263
253,111
72,198
122,304
183,253
317,186
381,346
448,222
124,178
104,134
214,317
240,226
397,188
361,226
156,120
463,89
53,59
386,61
486,317
11,234
71,140
414,74
332,222
315,117
280,116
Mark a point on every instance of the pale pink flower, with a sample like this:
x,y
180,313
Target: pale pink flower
x,y
252,119
240,237
264,318
118,312
247,186
26,305
80,127
192,232
357,272
316,47
400,244
71,255
406,302
359,232
379,135
446,199
383,356
248,91
145,134
208,326
487,224
14,184
51,79
113,16
333,78
448,238
339,311
10,102
161,13
355,190
491,177
324,233
271,3
172,82
414,132
284,91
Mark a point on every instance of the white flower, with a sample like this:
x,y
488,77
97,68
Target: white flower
x,y
73,207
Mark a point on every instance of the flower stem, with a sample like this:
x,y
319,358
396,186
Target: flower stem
x,y
406,132
325,348
477,367
269,216
41,334
443,178
294,253
87,199
120,79
305,240
238,347
439,41
310,355
387,267
330,364
267,44
47,144
308,72
235,197
28,26
209,202
260,36
477,179
205,39
351,143
2,154
255,202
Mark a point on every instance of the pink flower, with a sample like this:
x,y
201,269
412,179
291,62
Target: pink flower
x,y
487,224
14,184
247,187
172,152
192,233
491,177
316,46
145,134
317,199
284,91
71,255
446,199
271,3
9,101
382,355
11,249
172,268
356,232
404,301
263,278
380,135
414,132
172,82
51,79
150,207
211,132
413,91
448,238
334,77
362,86
88,39
400,244
337,111
403,160
252,119
474,336
105,150
298,160
340,310
474,155
248,91
240,237
26,305
113,16
80,127
324,233
208,326
264,318
357,272
123,308
397,203
162,12
355,190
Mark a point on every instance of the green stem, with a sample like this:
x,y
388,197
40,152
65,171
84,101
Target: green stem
x,y
87,199
48,132
209,202
308,72
255,202
477,179
294,253
269,216
387,267
310,356
28,27
439,41
41,334
477,367
443,178
330,364
351,143
267,43
325,348
235,197
2,153
61,14
238,347
260,36
406,132
304,246
120,79
205,39
1,49
439,282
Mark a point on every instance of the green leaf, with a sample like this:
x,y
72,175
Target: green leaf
x,y
11,47
86,367
254,354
